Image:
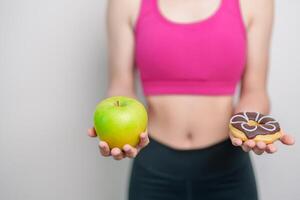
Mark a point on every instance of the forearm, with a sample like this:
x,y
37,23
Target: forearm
x,y
121,92
121,86
255,101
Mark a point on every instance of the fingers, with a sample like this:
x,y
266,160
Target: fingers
x,y
130,151
287,139
144,140
92,132
236,141
271,148
261,145
245,148
248,145
117,153
126,151
257,151
104,149
259,148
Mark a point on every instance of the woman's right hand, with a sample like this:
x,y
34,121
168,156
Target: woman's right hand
x,y
117,153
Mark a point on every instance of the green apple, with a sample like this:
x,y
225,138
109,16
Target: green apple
x,y
120,120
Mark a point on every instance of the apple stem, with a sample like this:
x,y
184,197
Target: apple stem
x,y
118,103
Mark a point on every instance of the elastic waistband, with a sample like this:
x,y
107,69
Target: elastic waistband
x,y
212,161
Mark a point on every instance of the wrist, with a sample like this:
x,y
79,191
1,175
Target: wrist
x,y
253,102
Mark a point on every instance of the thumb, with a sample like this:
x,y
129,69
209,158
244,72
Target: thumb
x,y
287,139
92,132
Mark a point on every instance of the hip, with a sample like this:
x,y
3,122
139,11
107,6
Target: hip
x,y
218,160
221,171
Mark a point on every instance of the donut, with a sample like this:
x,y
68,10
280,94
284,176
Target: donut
x,y
255,126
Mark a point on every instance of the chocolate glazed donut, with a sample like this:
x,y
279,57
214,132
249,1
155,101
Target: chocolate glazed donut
x,y
254,124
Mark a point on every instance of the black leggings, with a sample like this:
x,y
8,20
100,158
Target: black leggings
x,y
218,172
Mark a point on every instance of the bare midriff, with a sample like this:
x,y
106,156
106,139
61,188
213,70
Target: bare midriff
x,y
189,121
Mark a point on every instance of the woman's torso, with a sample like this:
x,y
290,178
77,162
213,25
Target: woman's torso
x,y
186,121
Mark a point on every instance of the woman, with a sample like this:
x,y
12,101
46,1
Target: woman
x,y
191,55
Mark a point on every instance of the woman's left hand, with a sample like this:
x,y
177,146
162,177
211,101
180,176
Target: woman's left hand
x,y
261,147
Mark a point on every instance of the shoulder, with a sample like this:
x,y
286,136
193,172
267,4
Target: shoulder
x,y
254,10
125,9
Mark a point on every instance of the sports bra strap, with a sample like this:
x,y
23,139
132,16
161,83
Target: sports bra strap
x,y
233,6
146,6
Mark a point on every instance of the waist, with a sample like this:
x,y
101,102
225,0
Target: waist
x,y
189,121
204,163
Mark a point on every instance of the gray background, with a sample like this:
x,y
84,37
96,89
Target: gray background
x,y
52,74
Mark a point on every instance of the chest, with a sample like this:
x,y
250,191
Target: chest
x,y
187,11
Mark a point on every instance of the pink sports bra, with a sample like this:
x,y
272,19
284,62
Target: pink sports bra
x,y
205,57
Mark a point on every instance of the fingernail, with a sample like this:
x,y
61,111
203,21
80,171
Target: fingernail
x,y
101,144
126,148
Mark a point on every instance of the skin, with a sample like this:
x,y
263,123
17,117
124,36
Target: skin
x,y
177,120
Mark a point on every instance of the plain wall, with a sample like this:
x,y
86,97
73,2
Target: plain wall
x,y
52,74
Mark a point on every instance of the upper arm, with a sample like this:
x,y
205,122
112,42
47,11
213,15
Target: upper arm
x,y
120,48
259,37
